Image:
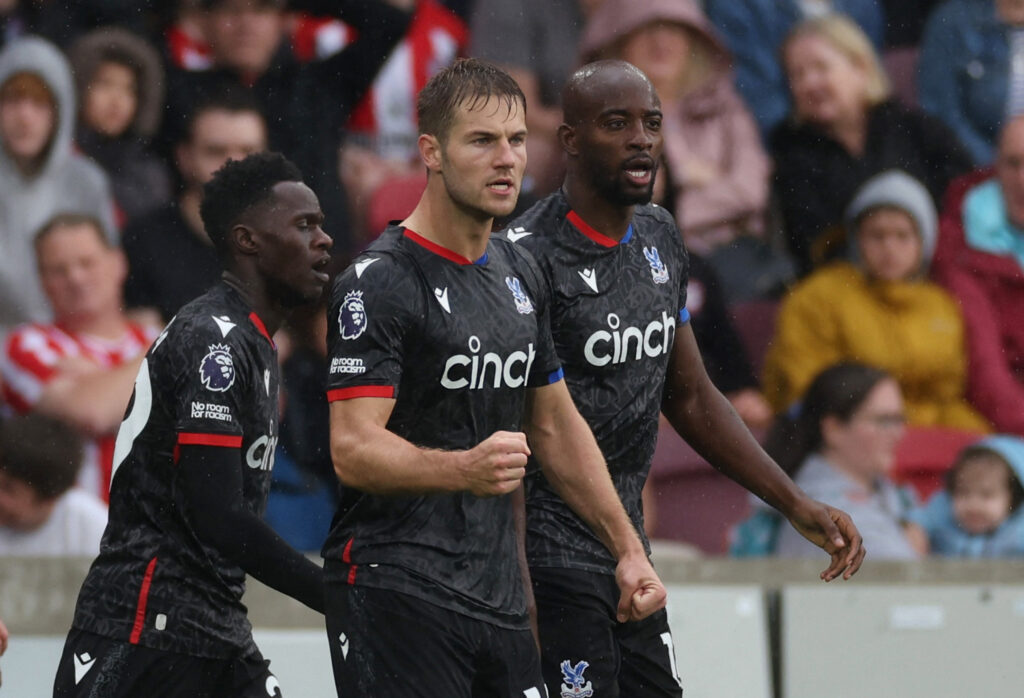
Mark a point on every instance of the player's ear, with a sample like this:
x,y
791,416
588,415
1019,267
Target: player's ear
x,y
567,139
430,151
243,239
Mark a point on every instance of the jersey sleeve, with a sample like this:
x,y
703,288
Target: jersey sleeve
x,y
681,259
214,376
372,314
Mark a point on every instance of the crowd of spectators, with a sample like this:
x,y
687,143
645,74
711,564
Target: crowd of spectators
x,y
856,165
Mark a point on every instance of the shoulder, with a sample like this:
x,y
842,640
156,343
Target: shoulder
x,y
538,223
838,278
652,223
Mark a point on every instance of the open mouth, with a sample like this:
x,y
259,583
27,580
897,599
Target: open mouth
x,y
639,171
320,268
501,186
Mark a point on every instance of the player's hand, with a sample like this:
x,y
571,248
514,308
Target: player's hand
x,y
833,531
642,590
496,465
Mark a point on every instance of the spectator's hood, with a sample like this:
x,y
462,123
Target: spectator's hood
x,y
37,56
1009,448
87,53
614,19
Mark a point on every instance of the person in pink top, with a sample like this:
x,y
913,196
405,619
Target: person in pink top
x,y
80,368
718,172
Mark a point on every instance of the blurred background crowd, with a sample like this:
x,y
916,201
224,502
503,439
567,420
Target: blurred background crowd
x,y
848,176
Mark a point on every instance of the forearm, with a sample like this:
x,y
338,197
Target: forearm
x,y
380,462
95,402
252,545
573,464
211,497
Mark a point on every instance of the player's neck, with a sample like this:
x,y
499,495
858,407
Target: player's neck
x,y
440,220
607,218
254,293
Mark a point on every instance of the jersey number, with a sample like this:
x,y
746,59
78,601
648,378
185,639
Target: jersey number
x,y
666,638
135,421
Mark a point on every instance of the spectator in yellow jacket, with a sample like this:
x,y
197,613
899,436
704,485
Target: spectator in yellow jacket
x,y
879,308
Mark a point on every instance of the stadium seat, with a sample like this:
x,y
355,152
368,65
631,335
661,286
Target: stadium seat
x,y
926,453
755,322
693,502
394,200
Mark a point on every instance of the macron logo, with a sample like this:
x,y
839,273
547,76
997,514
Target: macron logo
x,y
83,663
517,234
442,298
343,639
224,323
590,277
361,266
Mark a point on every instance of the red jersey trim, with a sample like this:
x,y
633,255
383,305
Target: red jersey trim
x,y
346,554
225,440
581,225
140,609
437,249
352,574
360,391
255,320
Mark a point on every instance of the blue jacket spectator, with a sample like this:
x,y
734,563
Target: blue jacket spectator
x,y
979,513
964,72
754,31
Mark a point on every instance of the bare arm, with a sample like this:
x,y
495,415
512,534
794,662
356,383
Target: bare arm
x,y
370,458
704,417
573,464
93,400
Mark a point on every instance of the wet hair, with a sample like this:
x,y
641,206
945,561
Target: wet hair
x,y
236,188
979,451
42,452
838,391
468,82
69,220
231,99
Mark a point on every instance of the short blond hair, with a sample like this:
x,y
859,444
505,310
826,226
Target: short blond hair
x,y
843,34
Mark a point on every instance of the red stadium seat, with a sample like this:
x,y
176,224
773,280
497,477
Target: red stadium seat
x,y
755,322
926,453
394,200
693,502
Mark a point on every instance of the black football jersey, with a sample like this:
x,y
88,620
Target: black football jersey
x,y
614,311
210,378
456,344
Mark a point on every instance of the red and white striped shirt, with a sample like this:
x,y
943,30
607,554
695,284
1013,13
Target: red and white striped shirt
x,y
31,358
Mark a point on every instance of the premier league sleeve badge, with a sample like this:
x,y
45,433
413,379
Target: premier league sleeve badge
x,y
352,318
217,369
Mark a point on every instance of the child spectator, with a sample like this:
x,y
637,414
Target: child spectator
x,y
881,309
40,174
120,91
40,513
979,513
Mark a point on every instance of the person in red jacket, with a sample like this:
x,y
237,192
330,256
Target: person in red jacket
x,y
980,259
